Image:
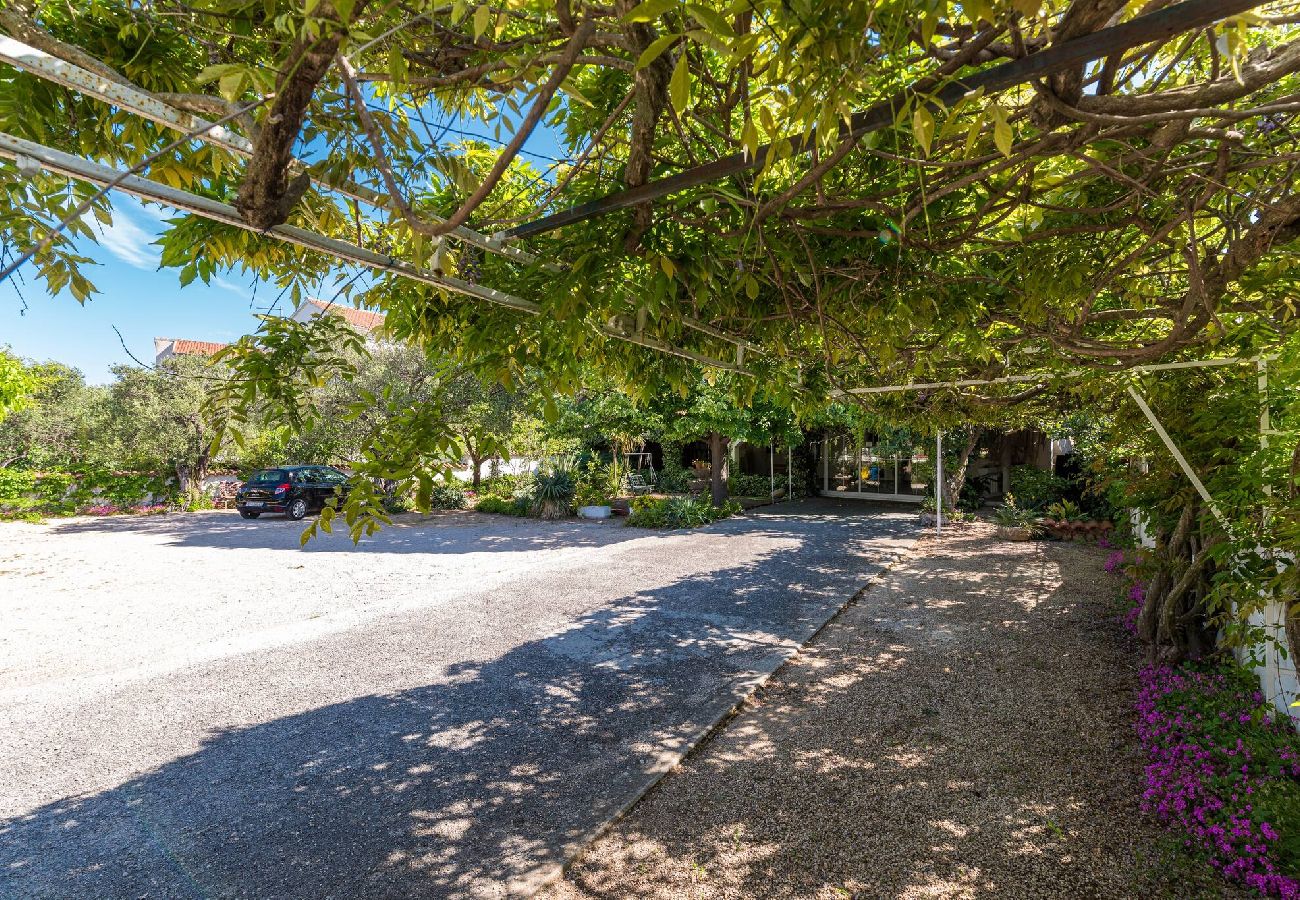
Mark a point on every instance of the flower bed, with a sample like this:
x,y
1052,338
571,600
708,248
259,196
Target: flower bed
x,y
1223,768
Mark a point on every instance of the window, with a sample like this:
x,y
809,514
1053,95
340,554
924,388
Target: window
x,y
269,476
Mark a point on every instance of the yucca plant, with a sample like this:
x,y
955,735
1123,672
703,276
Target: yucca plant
x,y
553,491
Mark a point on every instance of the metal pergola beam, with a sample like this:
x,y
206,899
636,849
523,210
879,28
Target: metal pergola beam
x,y
214,210
57,71
1160,25
1179,458
141,103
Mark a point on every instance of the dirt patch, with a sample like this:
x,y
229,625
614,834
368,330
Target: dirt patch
x,y
964,730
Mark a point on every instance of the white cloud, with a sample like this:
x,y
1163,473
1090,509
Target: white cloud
x,y
229,286
126,240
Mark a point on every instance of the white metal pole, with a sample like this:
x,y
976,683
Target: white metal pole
x,y
1179,458
938,484
1261,385
771,472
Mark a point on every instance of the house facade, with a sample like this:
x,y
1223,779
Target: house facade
x,y
363,320
165,348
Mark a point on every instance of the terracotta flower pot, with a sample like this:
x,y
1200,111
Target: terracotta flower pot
x,y
1013,533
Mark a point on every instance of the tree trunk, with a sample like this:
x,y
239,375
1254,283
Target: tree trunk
x,y
718,468
476,464
955,479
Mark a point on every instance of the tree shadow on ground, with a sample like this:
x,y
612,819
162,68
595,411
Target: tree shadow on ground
x,y
477,780
452,533
965,731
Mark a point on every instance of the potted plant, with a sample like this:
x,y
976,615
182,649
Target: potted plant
x,y
595,484
1065,520
1012,522
592,502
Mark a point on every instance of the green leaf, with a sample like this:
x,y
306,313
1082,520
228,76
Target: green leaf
x,y
650,10
482,19
973,135
749,137
656,49
923,127
1002,133
212,73
397,66
231,85
679,88
711,20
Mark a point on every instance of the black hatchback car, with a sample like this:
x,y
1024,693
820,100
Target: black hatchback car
x,y
292,490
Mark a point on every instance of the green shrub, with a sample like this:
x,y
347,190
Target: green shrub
x,y
503,485
398,503
504,507
596,484
973,491
673,478
1010,515
750,485
448,496
1036,488
16,484
63,493
677,512
198,502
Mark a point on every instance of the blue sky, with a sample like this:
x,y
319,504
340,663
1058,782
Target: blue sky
x,y
142,302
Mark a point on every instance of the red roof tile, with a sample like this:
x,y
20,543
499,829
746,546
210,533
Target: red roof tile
x,y
363,319
195,348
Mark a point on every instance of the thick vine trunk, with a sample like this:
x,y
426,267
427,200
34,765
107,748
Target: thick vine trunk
x,y
267,194
718,468
1174,621
955,480
650,93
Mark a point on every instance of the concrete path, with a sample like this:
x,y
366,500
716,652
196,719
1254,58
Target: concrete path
x,y
193,707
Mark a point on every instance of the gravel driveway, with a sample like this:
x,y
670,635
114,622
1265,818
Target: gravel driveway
x,y
963,731
194,706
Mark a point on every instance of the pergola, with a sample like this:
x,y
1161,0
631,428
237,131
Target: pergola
x,y
1183,17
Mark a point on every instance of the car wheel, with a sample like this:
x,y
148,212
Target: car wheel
x,y
297,509
248,515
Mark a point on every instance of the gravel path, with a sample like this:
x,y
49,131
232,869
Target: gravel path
x,y
194,707
961,731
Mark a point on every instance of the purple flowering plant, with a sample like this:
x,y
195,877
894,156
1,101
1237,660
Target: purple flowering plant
x,y
1223,768
1128,565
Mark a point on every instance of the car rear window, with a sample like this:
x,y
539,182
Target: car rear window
x,y
269,476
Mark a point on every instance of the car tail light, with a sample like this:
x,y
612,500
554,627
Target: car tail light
x,y
282,488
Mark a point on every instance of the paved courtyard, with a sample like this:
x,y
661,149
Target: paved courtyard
x,y
193,706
